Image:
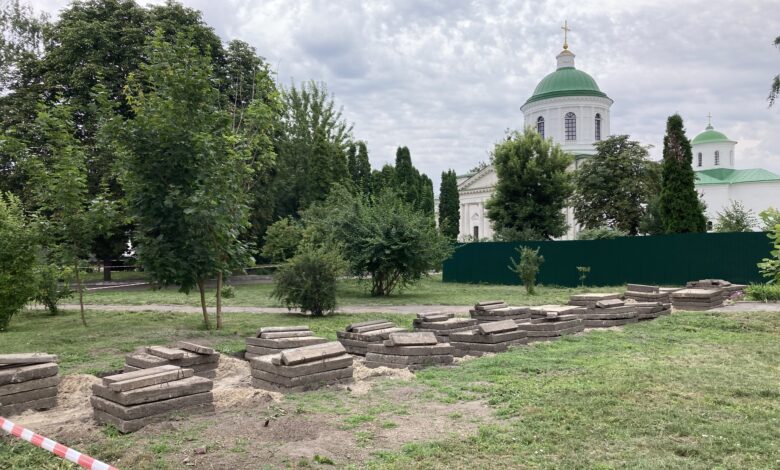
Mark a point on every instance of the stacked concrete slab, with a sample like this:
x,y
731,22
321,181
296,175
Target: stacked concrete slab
x,y
610,312
201,359
725,286
494,336
697,299
275,339
498,310
552,321
412,350
304,368
358,336
589,300
28,382
645,293
651,310
442,324
132,400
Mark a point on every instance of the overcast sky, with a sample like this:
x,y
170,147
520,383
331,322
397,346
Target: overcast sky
x,y
447,78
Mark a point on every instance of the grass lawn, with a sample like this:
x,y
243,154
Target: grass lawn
x,y
429,291
690,390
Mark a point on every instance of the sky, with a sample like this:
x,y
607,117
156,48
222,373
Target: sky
x,y
447,77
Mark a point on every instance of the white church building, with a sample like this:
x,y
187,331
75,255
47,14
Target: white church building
x,y
568,107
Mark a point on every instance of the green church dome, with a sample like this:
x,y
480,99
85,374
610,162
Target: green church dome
x,y
709,136
566,81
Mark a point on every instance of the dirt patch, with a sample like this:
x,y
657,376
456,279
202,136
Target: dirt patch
x,y
233,386
72,411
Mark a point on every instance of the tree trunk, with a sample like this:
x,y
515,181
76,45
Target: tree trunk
x,y
80,288
202,290
107,270
219,300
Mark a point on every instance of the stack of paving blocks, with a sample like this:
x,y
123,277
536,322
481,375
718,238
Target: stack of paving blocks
x,y
643,293
304,368
610,312
697,299
412,350
589,300
651,310
552,321
443,324
725,286
275,339
494,336
201,359
497,310
132,400
358,336
28,382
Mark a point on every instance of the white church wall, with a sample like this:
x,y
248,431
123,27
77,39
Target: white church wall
x,y
755,196
585,108
708,150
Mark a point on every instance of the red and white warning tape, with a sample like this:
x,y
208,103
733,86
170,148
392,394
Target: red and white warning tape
x,y
56,448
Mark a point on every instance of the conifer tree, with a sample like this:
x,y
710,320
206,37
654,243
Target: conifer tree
x,y
363,168
407,178
449,205
426,203
679,205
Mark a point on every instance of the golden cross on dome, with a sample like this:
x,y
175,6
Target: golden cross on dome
x,y
565,29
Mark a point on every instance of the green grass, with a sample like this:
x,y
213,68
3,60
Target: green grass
x,y
116,276
429,291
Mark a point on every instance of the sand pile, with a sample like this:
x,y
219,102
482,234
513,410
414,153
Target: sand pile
x,y
233,385
72,408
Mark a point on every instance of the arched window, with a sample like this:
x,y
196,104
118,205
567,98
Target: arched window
x,y
570,126
700,159
598,126
540,126
717,158
709,226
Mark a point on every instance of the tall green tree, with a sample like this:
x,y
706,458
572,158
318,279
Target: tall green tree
x,y
449,205
407,177
362,175
614,186
533,186
17,258
679,205
183,171
774,89
736,218
427,202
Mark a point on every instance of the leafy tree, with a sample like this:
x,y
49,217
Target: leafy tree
x,y
183,170
21,39
308,281
601,233
449,205
282,240
52,284
533,186
774,90
510,234
383,179
769,218
770,267
736,218
17,259
679,205
614,187
528,266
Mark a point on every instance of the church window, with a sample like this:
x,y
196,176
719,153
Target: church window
x,y
476,233
700,159
570,125
540,126
709,226
717,158
598,126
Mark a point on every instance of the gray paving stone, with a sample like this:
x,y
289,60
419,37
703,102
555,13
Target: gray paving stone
x,y
42,404
410,339
21,374
431,350
285,343
128,426
196,348
291,357
165,352
286,334
266,364
311,379
265,385
408,360
150,379
276,329
27,358
27,396
473,337
35,384
145,410
165,391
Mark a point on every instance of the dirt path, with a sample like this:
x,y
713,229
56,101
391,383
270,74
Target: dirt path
x,y
346,309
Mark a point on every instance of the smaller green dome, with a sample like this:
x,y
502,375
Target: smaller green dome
x,y
566,81
710,136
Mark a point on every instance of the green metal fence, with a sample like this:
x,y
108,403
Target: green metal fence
x,y
663,260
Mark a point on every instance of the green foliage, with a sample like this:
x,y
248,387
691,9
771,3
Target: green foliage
x,y
769,218
774,89
17,259
359,167
763,292
21,39
600,233
770,267
228,292
735,218
679,206
52,285
382,237
449,205
582,274
533,185
528,266
613,187
308,281
282,240
511,234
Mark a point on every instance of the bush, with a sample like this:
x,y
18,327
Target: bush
x,y
770,267
763,292
308,281
528,267
735,218
17,259
282,240
602,233
769,218
52,285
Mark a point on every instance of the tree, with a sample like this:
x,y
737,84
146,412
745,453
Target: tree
x,y
533,186
427,204
21,39
449,205
407,178
183,171
528,266
282,240
769,218
770,267
614,186
362,174
774,89
736,218
601,233
308,281
679,205
17,258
